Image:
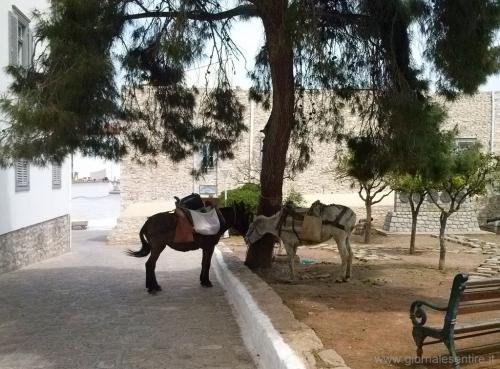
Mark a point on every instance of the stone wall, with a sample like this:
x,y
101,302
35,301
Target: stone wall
x,y
126,231
488,207
399,220
496,117
472,115
379,213
35,243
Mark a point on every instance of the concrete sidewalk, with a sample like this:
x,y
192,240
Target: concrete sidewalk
x,y
89,309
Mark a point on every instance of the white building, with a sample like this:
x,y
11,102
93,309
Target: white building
x,y
34,202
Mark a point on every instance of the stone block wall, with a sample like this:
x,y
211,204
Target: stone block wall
x,y
472,115
126,231
428,222
488,207
379,213
35,243
463,221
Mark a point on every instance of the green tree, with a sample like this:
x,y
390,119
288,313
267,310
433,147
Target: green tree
x,y
318,58
367,164
414,155
415,188
466,173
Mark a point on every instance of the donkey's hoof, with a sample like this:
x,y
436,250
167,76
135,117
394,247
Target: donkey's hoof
x,y
152,291
207,284
341,280
158,287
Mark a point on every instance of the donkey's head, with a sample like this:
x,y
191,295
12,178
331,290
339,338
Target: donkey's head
x,y
242,217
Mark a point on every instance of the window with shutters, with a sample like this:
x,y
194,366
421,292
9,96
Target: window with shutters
x,y
56,176
207,152
20,39
22,175
465,142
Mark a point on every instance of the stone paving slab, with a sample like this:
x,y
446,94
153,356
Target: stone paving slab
x,y
89,309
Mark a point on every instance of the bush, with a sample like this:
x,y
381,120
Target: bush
x,y
294,199
248,194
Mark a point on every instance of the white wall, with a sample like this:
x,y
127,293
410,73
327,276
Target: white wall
x,y
27,7
41,202
85,165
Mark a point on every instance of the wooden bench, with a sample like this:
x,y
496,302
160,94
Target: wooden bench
x,y
466,297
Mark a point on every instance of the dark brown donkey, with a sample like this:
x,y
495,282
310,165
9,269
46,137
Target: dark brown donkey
x,y
159,231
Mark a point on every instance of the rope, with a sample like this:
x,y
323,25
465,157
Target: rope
x,y
271,198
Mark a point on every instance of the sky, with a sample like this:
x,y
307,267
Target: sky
x,y
248,35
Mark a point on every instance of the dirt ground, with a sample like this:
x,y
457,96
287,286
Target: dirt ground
x,y
367,320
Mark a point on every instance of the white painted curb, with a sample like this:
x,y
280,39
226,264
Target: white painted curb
x,y
264,342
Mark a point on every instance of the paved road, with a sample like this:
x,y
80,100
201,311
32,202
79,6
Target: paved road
x,y
89,309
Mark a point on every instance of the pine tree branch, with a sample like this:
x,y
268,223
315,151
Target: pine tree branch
x,y
138,3
383,197
339,18
242,10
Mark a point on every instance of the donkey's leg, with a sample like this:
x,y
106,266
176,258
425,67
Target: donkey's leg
x,y
341,244
349,256
151,283
205,266
290,251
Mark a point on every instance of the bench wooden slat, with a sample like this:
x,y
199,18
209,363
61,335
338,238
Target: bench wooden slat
x,y
480,294
476,326
478,307
483,283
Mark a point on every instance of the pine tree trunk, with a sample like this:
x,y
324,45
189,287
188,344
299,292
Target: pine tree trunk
x,y
278,128
414,217
443,218
368,225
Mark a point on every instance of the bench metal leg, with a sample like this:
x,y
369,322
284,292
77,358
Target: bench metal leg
x,y
450,344
419,339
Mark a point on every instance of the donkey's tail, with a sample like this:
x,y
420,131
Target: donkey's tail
x,y
146,247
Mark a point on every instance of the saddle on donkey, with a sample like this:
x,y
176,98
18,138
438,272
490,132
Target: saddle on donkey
x,y
194,217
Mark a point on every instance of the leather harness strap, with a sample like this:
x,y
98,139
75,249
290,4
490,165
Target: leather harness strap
x,y
336,222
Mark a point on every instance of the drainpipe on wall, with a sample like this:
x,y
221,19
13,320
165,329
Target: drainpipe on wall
x,y
492,130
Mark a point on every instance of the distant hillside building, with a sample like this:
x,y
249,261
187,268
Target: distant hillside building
x,y
34,202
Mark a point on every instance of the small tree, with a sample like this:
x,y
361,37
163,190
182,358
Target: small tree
x,y
294,198
466,173
417,143
415,188
367,165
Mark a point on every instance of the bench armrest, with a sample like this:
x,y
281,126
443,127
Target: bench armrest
x,y
417,313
